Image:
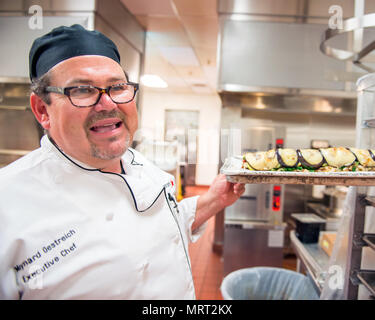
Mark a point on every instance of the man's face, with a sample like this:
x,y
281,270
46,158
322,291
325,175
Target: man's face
x,y
94,134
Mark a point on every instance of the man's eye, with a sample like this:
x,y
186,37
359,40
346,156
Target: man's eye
x,y
83,91
119,87
86,90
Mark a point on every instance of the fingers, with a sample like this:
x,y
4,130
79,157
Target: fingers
x,y
239,188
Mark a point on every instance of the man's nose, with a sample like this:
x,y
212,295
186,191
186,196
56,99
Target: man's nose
x,y
105,103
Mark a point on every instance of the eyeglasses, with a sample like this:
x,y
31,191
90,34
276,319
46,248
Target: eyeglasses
x,y
88,96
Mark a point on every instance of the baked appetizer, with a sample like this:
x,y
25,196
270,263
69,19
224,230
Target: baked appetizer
x,y
313,160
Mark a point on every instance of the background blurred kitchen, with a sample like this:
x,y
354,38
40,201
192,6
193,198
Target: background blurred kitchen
x,y
217,78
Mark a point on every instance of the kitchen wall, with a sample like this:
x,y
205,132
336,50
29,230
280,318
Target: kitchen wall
x,y
154,104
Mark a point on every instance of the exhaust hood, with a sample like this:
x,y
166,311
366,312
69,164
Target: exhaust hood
x,y
17,38
274,51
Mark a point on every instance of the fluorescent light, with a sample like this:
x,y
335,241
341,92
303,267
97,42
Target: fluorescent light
x,y
153,81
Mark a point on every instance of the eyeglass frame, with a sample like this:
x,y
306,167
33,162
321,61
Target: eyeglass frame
x,y
66,91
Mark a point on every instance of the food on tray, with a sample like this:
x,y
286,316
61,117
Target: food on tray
x,y
310,158
365,157
313,160
262,160
338,157
287,158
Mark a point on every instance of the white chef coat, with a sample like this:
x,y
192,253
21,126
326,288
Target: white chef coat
x,y
69,231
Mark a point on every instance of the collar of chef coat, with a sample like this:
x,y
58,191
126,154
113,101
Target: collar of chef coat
x,y
144,181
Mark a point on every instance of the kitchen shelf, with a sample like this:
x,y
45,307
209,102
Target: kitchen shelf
x,y
370,201
14,152
316,260
357,239
17,108
367,278
369,239
313,257
248,224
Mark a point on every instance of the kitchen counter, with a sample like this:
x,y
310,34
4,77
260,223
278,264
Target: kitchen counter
x,y
312,257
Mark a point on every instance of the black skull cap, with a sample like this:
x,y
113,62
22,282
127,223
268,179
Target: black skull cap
x,y
63,43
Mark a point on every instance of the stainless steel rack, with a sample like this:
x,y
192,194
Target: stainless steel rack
x,y
357,262
369,239
367,278
360,243
357,241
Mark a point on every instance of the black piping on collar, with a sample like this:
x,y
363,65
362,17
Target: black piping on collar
x,y
132,162
113,173
122,168
72,161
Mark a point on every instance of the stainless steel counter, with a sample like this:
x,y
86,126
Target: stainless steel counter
x,y
313,258
252,244
332,222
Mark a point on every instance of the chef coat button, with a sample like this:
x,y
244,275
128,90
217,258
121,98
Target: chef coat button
x,y
58,179
109,216
176,239
144,266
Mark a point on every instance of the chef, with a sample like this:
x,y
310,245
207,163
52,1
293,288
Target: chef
x,y
85,216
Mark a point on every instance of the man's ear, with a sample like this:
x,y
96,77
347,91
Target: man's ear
x,y
39,108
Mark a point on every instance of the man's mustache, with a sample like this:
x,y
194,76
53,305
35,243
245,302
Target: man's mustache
x,y
91,119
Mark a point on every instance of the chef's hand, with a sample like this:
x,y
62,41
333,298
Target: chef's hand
x,y
220,195
225,193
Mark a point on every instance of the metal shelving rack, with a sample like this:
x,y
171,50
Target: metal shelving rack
x,y
358,239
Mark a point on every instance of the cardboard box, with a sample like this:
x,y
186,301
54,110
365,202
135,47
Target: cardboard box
x,y
327,241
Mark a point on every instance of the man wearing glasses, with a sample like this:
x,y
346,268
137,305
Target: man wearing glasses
x,y
85,216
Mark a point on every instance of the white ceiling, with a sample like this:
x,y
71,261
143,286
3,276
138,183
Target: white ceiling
x,y
180,43
181,40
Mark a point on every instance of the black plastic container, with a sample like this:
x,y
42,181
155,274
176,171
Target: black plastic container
x,y
308,227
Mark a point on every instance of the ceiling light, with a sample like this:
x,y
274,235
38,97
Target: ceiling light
x,y
259,103
153,81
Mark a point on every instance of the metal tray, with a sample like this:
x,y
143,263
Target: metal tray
x,y
234,173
